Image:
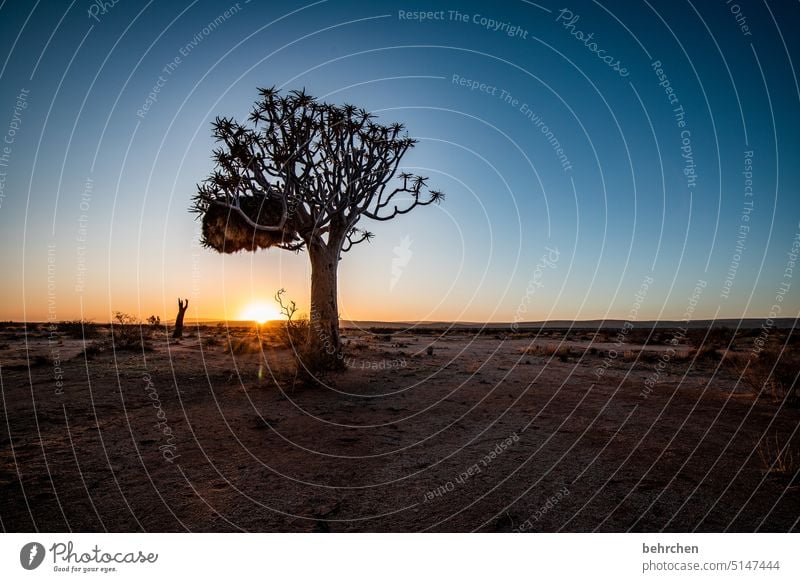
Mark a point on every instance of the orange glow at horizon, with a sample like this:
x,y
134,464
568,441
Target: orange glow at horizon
x,y
260,312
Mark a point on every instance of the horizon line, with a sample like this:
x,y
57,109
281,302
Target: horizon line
x,y
531,323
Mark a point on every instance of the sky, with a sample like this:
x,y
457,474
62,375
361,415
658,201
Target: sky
x,y
601,160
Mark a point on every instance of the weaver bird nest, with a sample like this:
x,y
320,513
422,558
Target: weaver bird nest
x,y
226,231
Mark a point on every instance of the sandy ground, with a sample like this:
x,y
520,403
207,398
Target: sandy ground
x,y
478,436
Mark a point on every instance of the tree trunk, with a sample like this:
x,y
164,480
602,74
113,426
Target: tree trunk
x,y
182,306
323,350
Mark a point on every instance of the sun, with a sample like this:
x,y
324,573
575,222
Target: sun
x,y
260,313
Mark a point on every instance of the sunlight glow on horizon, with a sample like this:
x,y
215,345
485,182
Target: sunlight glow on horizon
x,y
260,312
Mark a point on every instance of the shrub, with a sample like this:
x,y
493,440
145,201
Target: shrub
x,y
93,349
380,330
79,329
311,366
474,367
210,341
129,334
246,345
548,350
295,334
777,459
770,373
295,337
714,338
707,353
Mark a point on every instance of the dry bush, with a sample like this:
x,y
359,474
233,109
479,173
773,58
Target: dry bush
x,y
771,373
547,350
707,353
778,459
294,334
130,334
473,366
714,338
246,345
94,349
309,364
210,341
79,329
684,355
532,350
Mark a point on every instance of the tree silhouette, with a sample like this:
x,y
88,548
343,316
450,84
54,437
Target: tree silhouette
x,y
182,307
300,175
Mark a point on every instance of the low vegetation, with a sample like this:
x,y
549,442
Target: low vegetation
x,y
771,373
79,329
778,458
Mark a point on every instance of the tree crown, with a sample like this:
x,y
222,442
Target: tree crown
x,y
304,172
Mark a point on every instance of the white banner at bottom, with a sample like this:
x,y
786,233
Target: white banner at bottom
x,y
400,557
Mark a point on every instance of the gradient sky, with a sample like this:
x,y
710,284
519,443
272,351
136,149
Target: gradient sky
x,y
623,212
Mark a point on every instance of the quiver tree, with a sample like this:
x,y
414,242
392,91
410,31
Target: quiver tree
x,y
301,174
182,307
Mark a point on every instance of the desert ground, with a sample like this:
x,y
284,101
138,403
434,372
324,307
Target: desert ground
x,y
547,430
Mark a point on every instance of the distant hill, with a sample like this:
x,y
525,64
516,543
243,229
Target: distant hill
x,y
750,323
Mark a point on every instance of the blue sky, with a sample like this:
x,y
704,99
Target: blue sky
x,y
623,211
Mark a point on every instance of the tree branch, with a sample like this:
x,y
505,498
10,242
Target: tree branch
x,y
354,237
235,206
